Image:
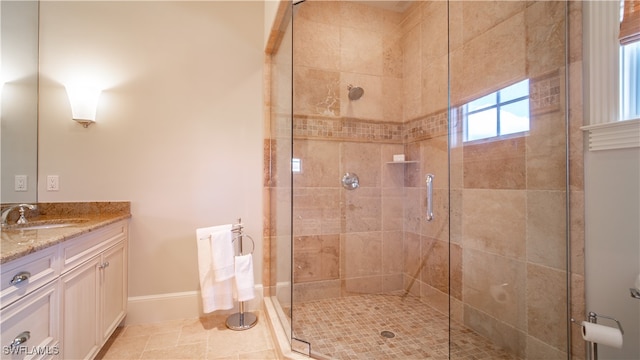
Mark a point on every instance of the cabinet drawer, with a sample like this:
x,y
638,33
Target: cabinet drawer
x,y
74,252
34,320
22,276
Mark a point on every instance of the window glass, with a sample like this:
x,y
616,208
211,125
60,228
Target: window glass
x,y
515,91
482,125
482,103
503,112
514,117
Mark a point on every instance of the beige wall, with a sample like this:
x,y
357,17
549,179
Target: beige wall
x,y
270,14
179,125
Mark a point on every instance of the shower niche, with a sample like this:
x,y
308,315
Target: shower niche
x,y
351,267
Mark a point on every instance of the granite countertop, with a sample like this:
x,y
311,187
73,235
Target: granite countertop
x,y
84,218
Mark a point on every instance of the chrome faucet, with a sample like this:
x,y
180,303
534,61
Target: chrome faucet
x,y
21,207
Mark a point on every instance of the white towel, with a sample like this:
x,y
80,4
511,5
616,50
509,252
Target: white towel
x,y
222,252
244,278
216,295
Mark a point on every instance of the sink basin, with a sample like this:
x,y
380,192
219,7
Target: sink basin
x,y
46,224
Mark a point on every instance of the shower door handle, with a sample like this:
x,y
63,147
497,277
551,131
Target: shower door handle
x,y
430,197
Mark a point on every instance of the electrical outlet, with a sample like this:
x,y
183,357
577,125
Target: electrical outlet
x,y
52,183
21,183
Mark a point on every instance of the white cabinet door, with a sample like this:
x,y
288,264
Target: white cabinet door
x,y
114,288
81,338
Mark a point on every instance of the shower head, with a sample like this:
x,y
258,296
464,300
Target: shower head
x,y
355,92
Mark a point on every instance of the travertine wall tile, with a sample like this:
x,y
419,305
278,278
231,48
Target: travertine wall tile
x,y
546,315
434,263
363,159
495,285
317,258
435,79
412,64
480,17
495,221
317,91
317,45
362,254
392,253
546,152
361,51
392,209
546,228
511,339
546,43
316,211
320,161
361,210
489,61
495,164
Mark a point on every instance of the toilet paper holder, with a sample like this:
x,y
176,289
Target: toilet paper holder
x,y
593,318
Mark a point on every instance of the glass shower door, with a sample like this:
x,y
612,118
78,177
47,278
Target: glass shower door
x,y
472,93
508,176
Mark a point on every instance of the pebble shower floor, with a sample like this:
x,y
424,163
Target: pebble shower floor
x,y
351,328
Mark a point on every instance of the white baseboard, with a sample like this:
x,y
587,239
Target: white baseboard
x,y
176,306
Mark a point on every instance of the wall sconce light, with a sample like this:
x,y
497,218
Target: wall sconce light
x,y
84,103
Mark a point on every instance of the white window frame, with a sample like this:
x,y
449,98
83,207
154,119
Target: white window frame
x,y
601,80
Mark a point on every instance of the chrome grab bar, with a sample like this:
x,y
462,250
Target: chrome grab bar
x,y
430,197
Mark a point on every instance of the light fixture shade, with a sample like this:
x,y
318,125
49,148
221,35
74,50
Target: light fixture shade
x,y
84,102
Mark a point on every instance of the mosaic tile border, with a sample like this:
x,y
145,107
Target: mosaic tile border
x,y
342,128
544,94
545,97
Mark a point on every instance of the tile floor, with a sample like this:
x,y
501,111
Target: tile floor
x,y
351,328
204,338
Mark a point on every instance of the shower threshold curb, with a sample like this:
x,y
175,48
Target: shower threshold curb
x,y
281,342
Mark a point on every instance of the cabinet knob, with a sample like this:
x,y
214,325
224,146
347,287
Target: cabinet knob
x,y
20,277
103,265
21,339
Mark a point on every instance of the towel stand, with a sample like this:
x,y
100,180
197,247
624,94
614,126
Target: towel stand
x,y
241,320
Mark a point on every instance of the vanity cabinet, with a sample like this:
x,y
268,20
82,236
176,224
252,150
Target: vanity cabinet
x,y
30,326
93,293
66,300
29,298
24,275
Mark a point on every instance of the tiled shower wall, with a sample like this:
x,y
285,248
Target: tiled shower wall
x,y
507,251
347,240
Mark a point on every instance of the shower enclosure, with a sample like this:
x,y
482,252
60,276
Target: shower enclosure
x,y
418,179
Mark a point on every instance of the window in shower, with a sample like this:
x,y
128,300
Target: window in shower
x,y
503,112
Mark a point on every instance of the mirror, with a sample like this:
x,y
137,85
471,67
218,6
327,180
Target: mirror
x,y
19,105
